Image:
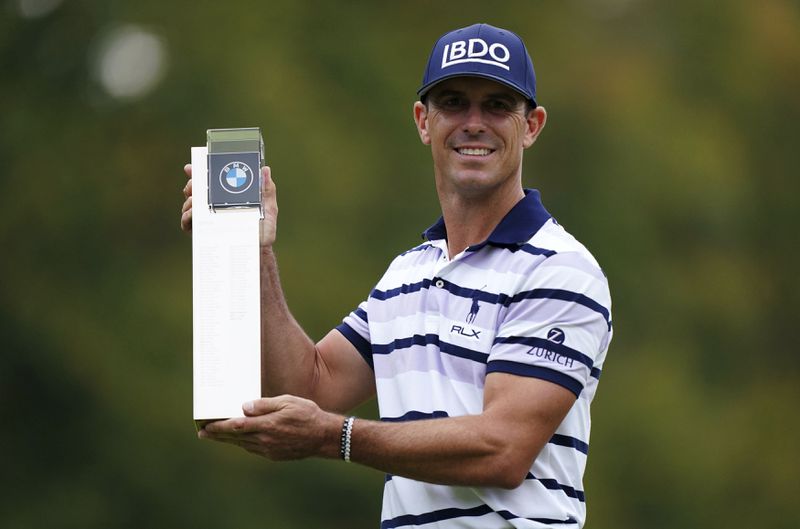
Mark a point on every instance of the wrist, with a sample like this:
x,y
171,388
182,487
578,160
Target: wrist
x,y
345,438
266,238
331,431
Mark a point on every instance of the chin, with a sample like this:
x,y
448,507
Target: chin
x,y
475,185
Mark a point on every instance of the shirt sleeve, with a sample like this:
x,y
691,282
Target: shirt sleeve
x,y
355,327
558,324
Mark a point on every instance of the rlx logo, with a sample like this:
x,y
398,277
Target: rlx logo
x,y
469,333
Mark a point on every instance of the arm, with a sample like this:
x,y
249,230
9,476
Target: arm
x,y
495,448
331,372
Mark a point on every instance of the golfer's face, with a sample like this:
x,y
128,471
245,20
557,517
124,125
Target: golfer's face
x,y
477,130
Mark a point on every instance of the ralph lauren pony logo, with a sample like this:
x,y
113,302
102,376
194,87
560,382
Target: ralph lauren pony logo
x,y
473,313
473,310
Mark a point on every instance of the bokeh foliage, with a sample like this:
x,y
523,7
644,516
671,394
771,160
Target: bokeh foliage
x,y
670,145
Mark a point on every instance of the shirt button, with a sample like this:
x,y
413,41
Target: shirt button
x,y
439,283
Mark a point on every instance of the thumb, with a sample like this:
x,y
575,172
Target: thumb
x,y
261,406
267,184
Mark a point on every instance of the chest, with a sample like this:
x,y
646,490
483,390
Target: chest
x,y
454,306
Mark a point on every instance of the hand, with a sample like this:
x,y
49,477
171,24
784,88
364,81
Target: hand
x,y
269,205
280,429
186,210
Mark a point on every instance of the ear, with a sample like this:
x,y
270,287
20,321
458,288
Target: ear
x,y
421,119
535,123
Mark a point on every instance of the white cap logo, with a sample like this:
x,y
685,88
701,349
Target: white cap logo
x,y
475,50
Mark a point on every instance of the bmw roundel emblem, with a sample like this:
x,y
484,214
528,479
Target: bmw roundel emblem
x,y
236,177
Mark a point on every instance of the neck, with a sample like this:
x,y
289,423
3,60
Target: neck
x,y
471,219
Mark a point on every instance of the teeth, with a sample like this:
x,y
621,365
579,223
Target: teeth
x,y
475,152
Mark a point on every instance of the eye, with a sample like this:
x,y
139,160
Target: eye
x,y
450,101
499,105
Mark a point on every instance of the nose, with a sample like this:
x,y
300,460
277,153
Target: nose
x,y
473,120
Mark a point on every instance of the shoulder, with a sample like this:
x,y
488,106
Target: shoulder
x,y
553,238
550,246
554,261
420,248
423,253
410,267
569,268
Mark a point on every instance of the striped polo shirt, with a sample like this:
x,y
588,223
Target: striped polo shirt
x,y
531,301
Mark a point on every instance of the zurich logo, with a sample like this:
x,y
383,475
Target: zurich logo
x,y
236,177
556,335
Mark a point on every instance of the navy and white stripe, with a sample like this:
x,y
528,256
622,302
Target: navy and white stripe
x,y
531,301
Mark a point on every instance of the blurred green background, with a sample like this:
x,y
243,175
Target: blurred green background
x,y
669,151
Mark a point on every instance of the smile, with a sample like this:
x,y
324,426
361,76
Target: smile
x,y
469,151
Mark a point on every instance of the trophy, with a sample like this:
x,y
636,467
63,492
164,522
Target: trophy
x,y
235,157
226,284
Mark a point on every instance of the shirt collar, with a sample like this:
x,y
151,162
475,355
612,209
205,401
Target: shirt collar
x,y
517,227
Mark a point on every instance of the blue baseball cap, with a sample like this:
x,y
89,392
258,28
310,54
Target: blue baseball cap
x,y
484,51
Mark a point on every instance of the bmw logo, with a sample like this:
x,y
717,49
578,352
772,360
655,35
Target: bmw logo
x,y
236,177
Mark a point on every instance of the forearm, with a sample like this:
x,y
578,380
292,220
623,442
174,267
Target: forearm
x,y
470,450
495,448
450,451
288,355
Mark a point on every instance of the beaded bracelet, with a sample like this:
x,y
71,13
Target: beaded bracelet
x,y
347,430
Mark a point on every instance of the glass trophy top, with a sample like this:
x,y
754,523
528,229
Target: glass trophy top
x,y
235,157
235,140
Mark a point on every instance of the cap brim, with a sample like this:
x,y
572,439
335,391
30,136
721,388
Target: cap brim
x,y
426,88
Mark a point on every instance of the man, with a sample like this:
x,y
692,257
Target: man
x,y
484,344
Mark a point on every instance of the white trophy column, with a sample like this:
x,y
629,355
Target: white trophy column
x,y
226,302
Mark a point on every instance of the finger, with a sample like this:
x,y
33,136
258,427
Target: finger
x,y
267,184
186,220
187,205
262,406
249,445
187,189
236,426
188,169
228,437
216,436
